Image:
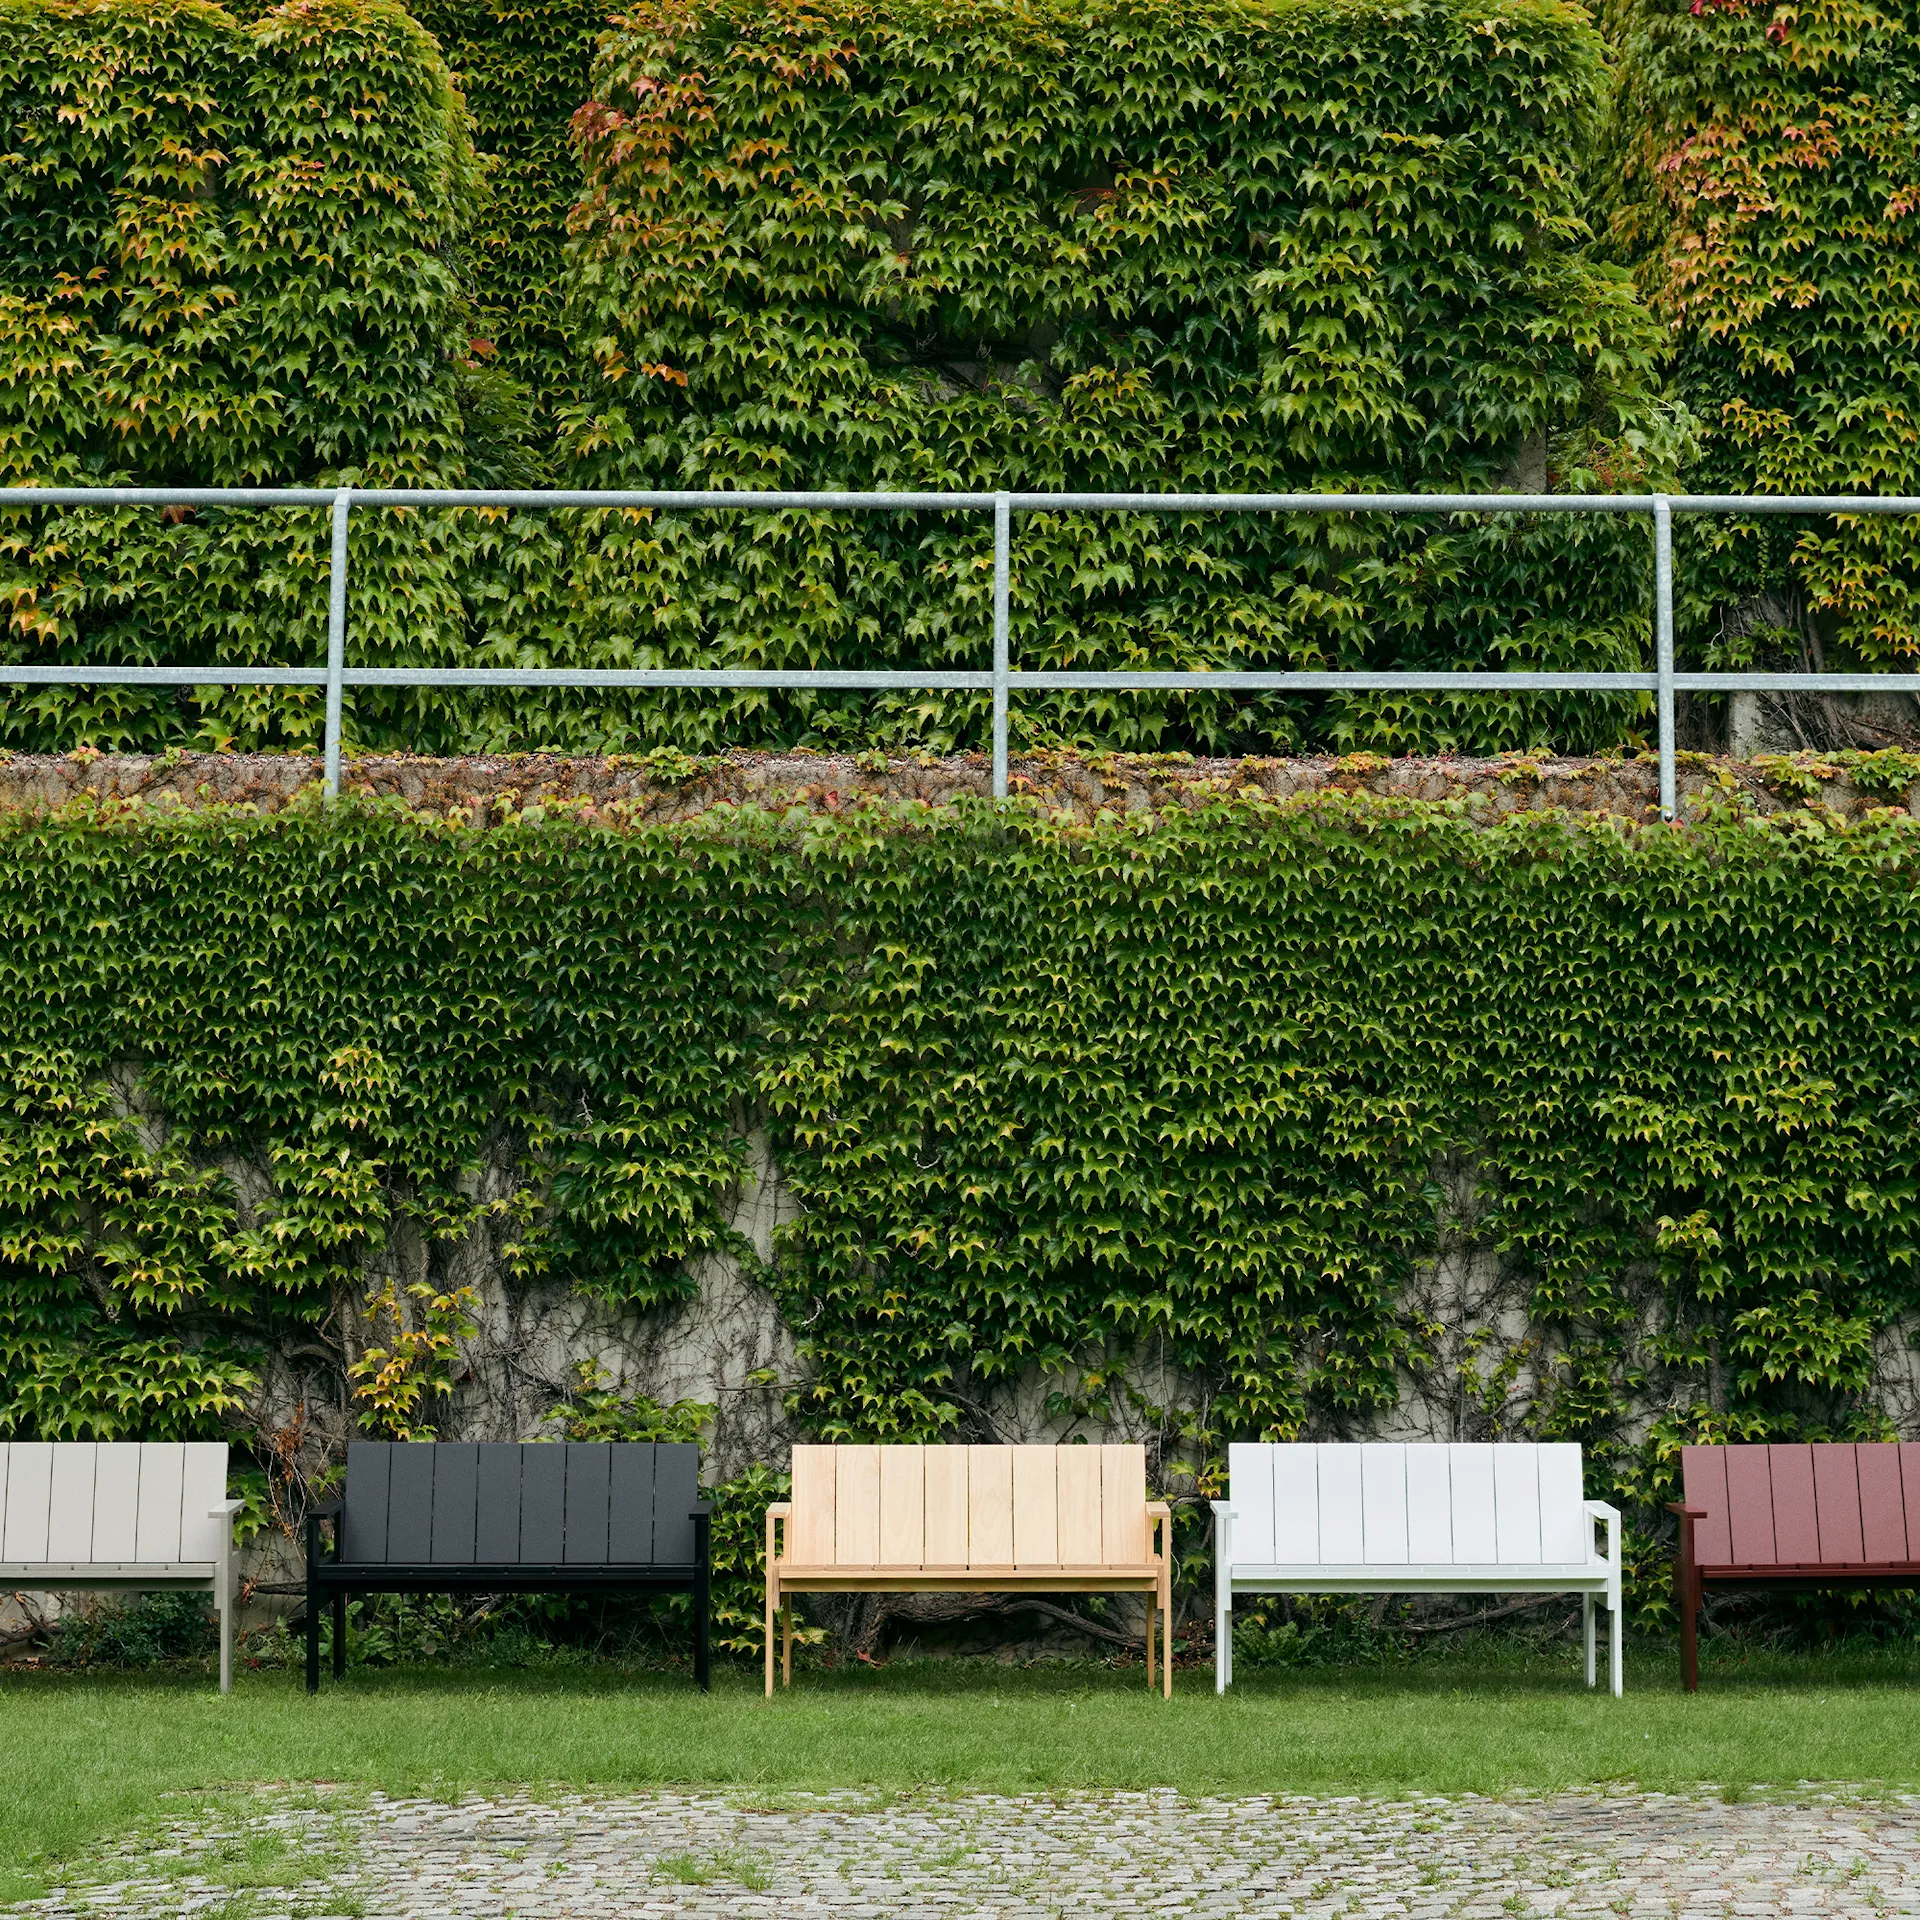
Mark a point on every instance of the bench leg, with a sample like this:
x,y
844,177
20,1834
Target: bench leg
x,y
1689,1637
226,1641
313,1638
1616,1666
703,1631
786,1641
1223,1642
1166,1636
1153,1604
1586,1631
339,1633
772,1615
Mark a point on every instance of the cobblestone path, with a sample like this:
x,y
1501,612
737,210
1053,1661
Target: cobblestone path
x,y
989,1857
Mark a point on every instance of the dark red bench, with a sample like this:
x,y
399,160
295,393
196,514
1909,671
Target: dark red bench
x,y
1836,1515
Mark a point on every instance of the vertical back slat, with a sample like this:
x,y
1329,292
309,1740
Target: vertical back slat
x,y
116,1503
1293,1526
676,1492
1123,1506
1883,1519
203,1486
456,1503
903,1506
1429,1507
1036,1507
1796,1523
589,1480
29,1501
363,1531
1749,1506
1476,1532
1250,1487
946,1479
630,1504
410,1503
496,1524
1516,1505
1836,1505
856,1507
811,1531
989,1506
1383,1504
162,1476
1565,1536
543,1503
70,1503
1703,1484
1910,1495
1077,1471
1343,1538
6,1454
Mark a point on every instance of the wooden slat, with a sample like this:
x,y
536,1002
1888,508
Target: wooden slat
x,y
1703,1483
496,1527
1123,1506
1429,1506
1910,1494
1383,1503
1294,1530
589,1480
811,1530
1565,1534
1476,1535
1796,1524
676,1492
456,1502
70,1502
1749,1507
116,1501
6,1453
903,1506
543,1503
630,1504
856,1507
1516,1505
1342,1507
1250,1471
1077,1470
1836,1504
989,1506
203,1486
363,1528
410,1503
1883,1519
946,1481
1036,1507
156,1533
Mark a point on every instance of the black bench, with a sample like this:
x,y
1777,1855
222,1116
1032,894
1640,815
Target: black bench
x,y
549,1517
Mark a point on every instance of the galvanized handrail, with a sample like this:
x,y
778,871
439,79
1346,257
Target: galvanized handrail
x,y
1004,677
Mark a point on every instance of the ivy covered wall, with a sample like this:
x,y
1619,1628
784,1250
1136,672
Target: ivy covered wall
x,y
1235,1116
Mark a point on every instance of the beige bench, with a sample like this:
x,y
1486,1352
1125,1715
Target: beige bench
x,y
1072,1519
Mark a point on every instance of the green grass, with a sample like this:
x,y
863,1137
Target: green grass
x,y
86,1758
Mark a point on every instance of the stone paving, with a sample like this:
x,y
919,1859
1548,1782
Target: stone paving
x,y
734,1855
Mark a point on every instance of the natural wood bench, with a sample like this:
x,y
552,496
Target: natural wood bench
x,y
545,1517
1392,1518
145,1516
1071,1519
1806,1515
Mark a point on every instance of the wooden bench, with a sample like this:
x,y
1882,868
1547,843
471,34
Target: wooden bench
x,y
144,1516
544,1517
1806,1515
1391,1518
1072,1519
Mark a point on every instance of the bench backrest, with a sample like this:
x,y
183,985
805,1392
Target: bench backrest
x,y
962,1509
111,1503
543,1503
1387,1505
1804,1505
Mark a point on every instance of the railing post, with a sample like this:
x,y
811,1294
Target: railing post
x,y
1663,648
1002,570
336,639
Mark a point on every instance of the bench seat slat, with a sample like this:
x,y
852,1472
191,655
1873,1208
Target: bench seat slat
x,y
1883,1520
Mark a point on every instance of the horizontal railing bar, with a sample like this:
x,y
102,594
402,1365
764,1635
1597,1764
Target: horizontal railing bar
x,y
1313,681
163,676
878,677
1333,502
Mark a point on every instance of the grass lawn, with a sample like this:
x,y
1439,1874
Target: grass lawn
x,y
84,1758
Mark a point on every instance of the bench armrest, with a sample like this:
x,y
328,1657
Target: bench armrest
x,y
1159,1512
701,1510
1686,1512
226,1509
780,1510
1608,1517
315,1516
1226,1508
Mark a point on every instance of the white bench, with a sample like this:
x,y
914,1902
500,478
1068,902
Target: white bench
x,y
1390,1518
141,1515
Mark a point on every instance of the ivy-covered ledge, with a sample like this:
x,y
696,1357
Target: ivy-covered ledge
x,y
667,785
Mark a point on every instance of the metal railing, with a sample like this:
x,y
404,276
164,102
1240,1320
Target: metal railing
x,y
1003,678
